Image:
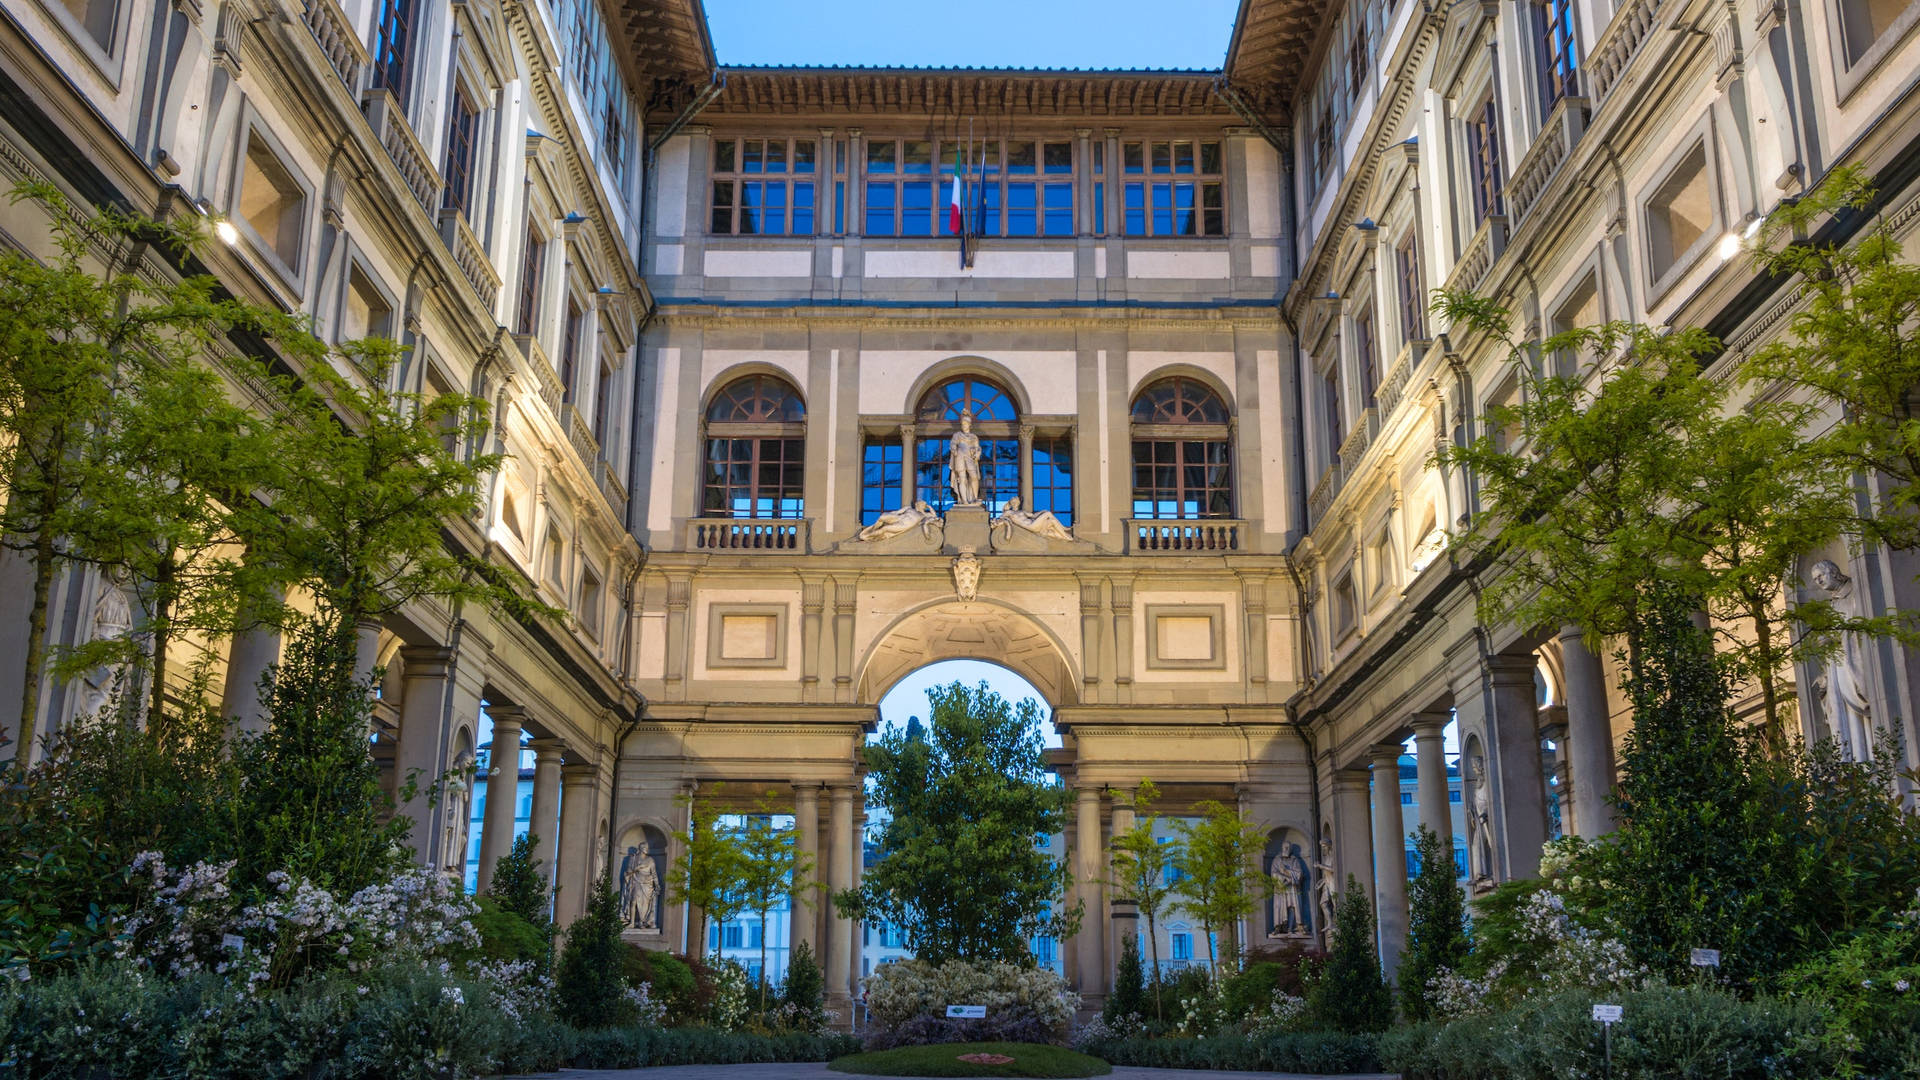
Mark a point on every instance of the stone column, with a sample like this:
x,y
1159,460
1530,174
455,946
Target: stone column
x,y
1352,829
575,872
1126,916
1087,860
806,834
252,651
1520,792
1589,734
839,965
1430,758
544,824
366,648
503,789
907,492
1389,859
1026,466
423,738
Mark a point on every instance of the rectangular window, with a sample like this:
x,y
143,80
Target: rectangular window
x,y
272,203
569,350
1335,415
1453,796
1357,53
1324,140
763,187
1053,477
1864,22
1100,189
1483,154
1363,355
1413,297
366,312
392,47
1680,213
999,472
733,936
590,602
1182,478
755,478
99,18
533,261
757,936
1186,207
1406,798
602,406
1182,947
463,125
1553,37
880,473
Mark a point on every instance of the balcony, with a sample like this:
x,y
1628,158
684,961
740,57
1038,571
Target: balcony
x,y
1549,151
1393,389
1359,439
611,487
1198,535
1619,42
334,33
1487,244
396,134
469,256
543,373
580,436
1323,492
748,534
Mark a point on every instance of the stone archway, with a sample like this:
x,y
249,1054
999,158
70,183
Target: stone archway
x,y
969,630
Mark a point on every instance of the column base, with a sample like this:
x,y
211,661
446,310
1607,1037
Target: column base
x,y
841,1005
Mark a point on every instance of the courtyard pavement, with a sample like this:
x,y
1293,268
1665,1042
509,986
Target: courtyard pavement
x,y
821,1072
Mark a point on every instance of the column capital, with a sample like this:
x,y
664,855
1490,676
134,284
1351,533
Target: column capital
x,y
513,716
1348,779
426,661
574,774
1088,792
807,787
546,749
1430,725
1386,755
1505,668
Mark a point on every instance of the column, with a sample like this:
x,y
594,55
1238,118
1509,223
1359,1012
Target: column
x,y
839,964
1430,759
1026,466
1087,860
1126,916
1589,734
503,789
423,730
907,492
1389,861
251,652
1352,828
806,834
544,825
1520,792
1083,223
577,809
366,648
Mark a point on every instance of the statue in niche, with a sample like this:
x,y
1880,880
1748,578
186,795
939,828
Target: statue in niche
x,y
1325,886
453,847
1042,524
1480,820
1842,686
1289,890
112,620
639,890
963,463
900,522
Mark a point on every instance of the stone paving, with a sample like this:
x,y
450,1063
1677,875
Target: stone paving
x,y
821,1072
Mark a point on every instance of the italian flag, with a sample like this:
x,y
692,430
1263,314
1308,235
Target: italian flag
x,y
953,207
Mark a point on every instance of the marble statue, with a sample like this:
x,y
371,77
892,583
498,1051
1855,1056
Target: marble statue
x,y
900,522
966,573
1430,547
1480,820
1289,877
453,846
112,620
963,462
1325,886
1842,686
1041,524
639,890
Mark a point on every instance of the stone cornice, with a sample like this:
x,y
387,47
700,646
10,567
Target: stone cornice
x,y
702,317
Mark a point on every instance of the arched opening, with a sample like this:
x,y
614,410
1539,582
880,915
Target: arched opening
x,y
756,451
995,417
970,630
1182,451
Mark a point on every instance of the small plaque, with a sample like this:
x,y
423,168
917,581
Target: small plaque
x,y
966,1012
1607,1014
233,942
1706,958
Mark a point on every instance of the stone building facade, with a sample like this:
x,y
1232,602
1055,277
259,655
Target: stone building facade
x,y
732,344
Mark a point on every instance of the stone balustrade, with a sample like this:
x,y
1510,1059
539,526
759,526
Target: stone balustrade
x,y
334,33
1543,159
748,534
390,126
1200,534
469,256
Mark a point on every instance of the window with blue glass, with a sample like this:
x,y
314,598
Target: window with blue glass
x,y
1053,477
995,420
1182,947
756,451
881,465
757,935
1182,452
763,187
1189,201
732,936
1012,187
1553,35
394,24
1459,862
1100,189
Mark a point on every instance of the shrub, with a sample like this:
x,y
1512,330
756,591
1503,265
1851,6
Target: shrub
x,y
1350,995
1128,1001
1299,963
1436,934
505,935
1867,988
589,978
1322,1052
900,992
802,995
1013,1024
632,1048
1249,992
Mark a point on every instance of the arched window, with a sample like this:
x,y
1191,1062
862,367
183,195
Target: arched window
x,y
756,451
1182,452
995,419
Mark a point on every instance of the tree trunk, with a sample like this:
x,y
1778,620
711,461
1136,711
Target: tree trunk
x,y
43,551
162,634
1153,945
1769,688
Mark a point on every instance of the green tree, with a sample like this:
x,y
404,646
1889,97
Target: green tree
x,y
772,868
590,979
1437,931
1140,862
804,990
1220,881
95,367
708,872
1350,995
1129,987
521,887
958,869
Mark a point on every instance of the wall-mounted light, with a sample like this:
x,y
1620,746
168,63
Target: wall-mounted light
x,y
1729,246
222,228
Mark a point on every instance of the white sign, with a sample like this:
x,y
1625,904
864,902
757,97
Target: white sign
x,y
1706,958
1607,1014
233,942
966,1012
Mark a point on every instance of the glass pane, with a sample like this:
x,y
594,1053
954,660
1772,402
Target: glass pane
x,y
723,156
1210,157
1020,158
750,202
918,159
803,155
930,473
1100,208
802,209
839,207
1183,209
1099,158
750,154
776,155
722,207
990,158
1058,157
916,208
880,156
839,155
989,224
1162,157
1059,210
1136,209
1020,210
773,220
880,209
1163,209
1133,158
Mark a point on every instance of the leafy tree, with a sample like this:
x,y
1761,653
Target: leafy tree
x,y
521,888
1437,933
708,872
1129,995
117,442
958,869
1139,877
771,868
1350,995
1220,882
804,990
590,979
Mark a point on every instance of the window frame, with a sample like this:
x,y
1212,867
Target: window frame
x,y
459,172
1181,435
1699,140
789,434
736,180
1850,72
107,58
407,14
933,438
1409,278
1486,169
1148,180
292,273
1556,52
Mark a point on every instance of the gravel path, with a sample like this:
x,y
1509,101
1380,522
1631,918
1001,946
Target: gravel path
x,y
817,1071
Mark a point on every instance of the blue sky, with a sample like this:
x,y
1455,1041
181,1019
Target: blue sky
x,y
909,696
974,33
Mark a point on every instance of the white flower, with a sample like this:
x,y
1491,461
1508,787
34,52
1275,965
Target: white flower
x,y
1901,985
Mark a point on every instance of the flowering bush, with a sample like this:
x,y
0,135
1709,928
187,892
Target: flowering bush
x,y
899,992
730,1004
1286,1013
